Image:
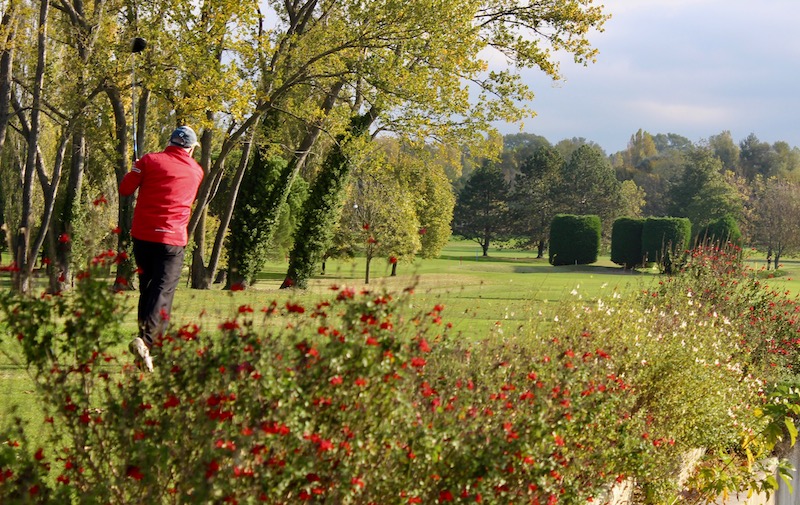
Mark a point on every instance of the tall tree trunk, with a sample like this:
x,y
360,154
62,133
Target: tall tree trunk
x,y
366,271
322,208
25,263
59,269
225,221
125,267
200,275
8,27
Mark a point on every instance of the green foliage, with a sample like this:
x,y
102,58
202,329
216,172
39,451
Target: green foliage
x,y
626,242
574,240
323,206
481,211
589,184
535,198
664,240
252,223
721,231
701,193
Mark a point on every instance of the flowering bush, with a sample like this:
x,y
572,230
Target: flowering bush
x,y
358,399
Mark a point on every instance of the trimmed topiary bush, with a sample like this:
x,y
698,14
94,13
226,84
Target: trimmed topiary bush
x,y
626,242
664,240
721,231
574,240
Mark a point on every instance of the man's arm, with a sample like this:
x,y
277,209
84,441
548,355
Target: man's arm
x,y
131,181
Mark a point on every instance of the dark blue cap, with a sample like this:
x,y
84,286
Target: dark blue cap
x,y
183,136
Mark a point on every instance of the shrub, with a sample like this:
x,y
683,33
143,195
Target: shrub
x,y
626,242
720,232
574,240
664,240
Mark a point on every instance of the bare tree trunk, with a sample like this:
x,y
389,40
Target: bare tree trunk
x,y
59,271
201,276
25,263
125,268
219,240
8,27
366,272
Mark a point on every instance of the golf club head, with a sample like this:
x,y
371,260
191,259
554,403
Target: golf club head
x,y
138,45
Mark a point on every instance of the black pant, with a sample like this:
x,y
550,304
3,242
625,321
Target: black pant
x,y
159,272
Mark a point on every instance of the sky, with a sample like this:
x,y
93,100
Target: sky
x,y
691,67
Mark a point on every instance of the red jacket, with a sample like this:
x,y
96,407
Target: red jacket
x,y
168,182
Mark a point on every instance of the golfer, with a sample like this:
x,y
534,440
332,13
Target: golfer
x,y
167,182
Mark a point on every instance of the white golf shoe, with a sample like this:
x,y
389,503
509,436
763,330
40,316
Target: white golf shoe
x,y
141,354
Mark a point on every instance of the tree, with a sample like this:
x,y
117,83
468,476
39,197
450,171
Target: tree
x,y
701,193
640,147
757,158
481,212
632,199
380,214
535,197
419,82
671,142
249,232
516,149
567,147
589,185
777,219
726,150
788,158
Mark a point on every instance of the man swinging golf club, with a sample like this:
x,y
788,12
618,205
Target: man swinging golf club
x,y
167,182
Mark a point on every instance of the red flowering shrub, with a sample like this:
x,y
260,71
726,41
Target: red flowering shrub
x,y
359,400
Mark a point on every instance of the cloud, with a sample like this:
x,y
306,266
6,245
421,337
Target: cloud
x,y
690,67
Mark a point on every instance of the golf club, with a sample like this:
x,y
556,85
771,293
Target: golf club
x,y
137,46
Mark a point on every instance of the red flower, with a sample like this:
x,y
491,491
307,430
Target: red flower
x,y
39,454
445,496
172,401
336,380
212,469
134,472
229,325
63,238
116,230
393,260
100,200
295,307
418,362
